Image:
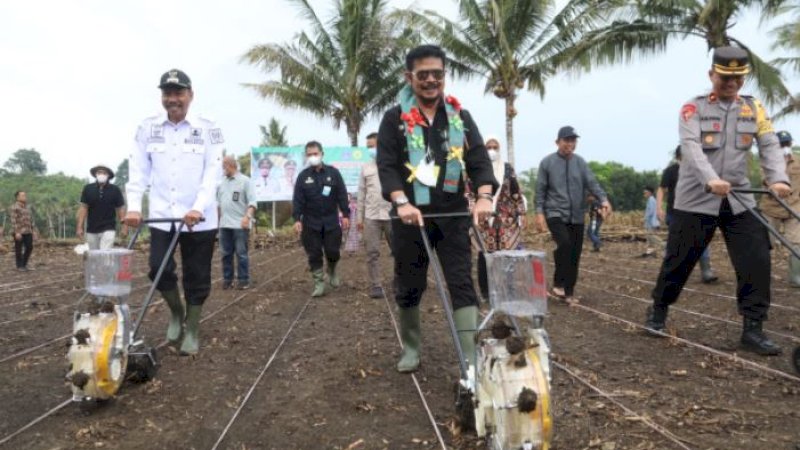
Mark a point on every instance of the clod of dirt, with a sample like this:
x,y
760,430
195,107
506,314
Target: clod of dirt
x,y
107,307
515,344
82,336
500,329
80,379
94,309
526,401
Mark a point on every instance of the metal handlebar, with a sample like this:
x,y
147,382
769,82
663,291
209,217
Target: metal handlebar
x,y
737,195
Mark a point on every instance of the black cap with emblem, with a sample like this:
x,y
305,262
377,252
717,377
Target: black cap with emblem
x,y
731,61
175,78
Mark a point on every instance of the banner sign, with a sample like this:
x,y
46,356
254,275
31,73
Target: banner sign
x,y
274,170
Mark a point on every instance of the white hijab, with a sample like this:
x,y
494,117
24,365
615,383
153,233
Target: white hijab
x,y
497,165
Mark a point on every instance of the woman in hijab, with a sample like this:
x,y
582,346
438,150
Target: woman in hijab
x,y
503,231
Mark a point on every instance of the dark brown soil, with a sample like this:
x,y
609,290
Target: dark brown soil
x,y
333,384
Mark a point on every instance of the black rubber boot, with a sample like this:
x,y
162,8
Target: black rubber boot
x,y
754,340
656,321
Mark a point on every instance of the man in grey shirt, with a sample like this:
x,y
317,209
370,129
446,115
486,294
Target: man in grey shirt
x,y
560,204
237,204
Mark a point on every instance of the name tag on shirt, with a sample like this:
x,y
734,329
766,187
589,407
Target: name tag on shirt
x,y
236,196
326,191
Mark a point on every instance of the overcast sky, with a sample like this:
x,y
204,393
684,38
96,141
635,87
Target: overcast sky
x,y
79,76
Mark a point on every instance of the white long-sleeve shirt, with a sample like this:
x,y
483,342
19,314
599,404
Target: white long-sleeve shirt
x,y
181,164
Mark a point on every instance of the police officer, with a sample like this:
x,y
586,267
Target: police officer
x,y
424,146
717,131
319,195
780,218
178,155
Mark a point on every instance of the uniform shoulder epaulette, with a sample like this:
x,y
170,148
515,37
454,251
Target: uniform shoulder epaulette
x,y
747,96
700,97
205,118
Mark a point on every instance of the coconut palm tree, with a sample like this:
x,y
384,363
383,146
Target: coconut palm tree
x,y
345,69
787,39
710,20
274,136
516,44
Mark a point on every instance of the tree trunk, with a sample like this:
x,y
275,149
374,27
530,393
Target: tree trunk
x,y
352,131
510,113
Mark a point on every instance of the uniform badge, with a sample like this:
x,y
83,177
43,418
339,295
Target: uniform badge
x,y
716,126
746,111
709,139
215,135
309,180
688,111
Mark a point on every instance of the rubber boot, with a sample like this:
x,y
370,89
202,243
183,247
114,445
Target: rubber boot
x,y
656,319
333,275
754,340
794,272
177,314
706,273
410,334
319,283
191,338
466,320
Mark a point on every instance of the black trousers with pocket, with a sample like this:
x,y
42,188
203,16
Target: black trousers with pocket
x,y
23,249
197,250
315,242
748,246
449,238
567,255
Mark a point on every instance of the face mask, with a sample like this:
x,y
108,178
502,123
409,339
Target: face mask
x,y
314,160
373,152
102,178
493,154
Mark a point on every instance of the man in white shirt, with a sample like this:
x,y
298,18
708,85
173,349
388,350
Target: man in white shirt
x,y
178,157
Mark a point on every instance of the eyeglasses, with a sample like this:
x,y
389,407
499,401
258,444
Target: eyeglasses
x,y
422,75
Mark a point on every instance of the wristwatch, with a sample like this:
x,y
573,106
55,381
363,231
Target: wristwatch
x,y
400,201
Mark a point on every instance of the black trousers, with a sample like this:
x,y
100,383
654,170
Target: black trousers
x,y
23,249
567,255
748,246
317,241
450,239
197,250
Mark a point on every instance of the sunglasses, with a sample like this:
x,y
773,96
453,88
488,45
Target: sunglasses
x,y
423,75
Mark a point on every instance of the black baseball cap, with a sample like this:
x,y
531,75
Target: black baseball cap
x,y
567,132
784,137
175,78
731,61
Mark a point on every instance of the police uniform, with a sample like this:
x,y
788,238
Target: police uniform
x,y
779,217
180,163
716,138
319,195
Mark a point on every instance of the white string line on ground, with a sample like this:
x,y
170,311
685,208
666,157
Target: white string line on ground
x,y
158,302
260,376
656,427
710,294
162,344
30,424
414,378
690,312
730,356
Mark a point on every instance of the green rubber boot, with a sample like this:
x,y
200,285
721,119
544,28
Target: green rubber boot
x,y
319,283
177,314
333,275
410,334
466,320
794,272
191,340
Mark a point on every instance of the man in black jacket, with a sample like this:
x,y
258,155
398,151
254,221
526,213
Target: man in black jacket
x,y
319,195
424,146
